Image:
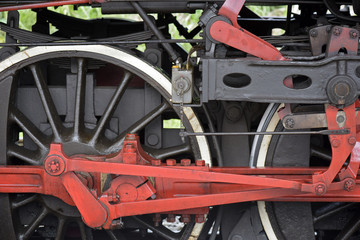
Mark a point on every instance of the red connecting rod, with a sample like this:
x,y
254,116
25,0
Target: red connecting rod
x,y
141,184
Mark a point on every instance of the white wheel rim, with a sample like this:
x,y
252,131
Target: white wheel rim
x,y
265,143
141,66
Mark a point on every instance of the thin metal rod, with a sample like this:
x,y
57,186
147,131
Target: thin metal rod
x,y
70,43
173,54
79,98
323,132
43,5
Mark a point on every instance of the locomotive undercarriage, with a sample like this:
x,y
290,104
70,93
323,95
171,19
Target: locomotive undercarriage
x,y
70,101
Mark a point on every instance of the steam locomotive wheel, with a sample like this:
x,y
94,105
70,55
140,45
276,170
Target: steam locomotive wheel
x,y
290,220
90,117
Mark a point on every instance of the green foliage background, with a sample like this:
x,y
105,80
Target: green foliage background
x,y
28,17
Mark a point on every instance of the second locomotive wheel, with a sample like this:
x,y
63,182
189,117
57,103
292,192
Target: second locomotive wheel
x,y
87,98
300,220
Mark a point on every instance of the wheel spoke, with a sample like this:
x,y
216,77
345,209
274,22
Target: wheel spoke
x,y
23,154
140,124
320,153
161,230
23,202
35,223
350,228
168,152
60,229
100,127
47,102
112,235
331,211
79,98
29,128
82,230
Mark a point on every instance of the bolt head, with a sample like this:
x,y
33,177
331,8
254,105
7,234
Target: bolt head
x,y
336,31
185,162
171,162
199,218
313,33
349,185
320,189
129,148
335,143
352,140
130,136
157,219
170,218
54,165
289,123
156,162
199,163
185,218
353,34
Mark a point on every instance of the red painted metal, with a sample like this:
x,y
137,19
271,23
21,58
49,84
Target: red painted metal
x,y
142,185
92,212
48,4
237,37
341,145
343,38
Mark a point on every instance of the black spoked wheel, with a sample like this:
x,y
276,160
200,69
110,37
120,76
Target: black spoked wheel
x,y
87,98
288,220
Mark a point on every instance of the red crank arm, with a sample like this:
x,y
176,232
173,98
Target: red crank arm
x,y
245,41
231,10
92,211
237,37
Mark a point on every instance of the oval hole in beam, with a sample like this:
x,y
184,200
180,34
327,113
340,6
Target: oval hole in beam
x,y
236,80
297,81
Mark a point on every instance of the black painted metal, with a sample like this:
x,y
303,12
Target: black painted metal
x,y
267,79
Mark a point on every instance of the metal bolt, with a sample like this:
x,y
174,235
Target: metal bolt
x,y
130,136
185,218
185,162
156,162
336,31
313,32
289,123
171,162
353,34
199,218
129,148
170,218
349,185
157,219
116,224
342,89
320,189
340,119
335,143
199,163
113,197
54,165
352,140
234,113
153,139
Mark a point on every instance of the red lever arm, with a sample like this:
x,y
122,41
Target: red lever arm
x,y
237,37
